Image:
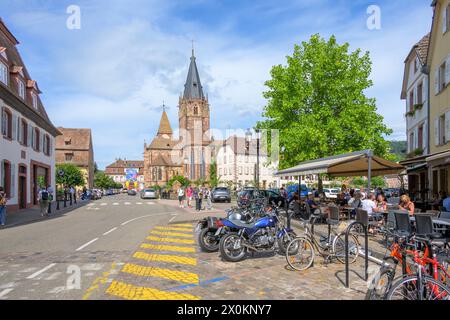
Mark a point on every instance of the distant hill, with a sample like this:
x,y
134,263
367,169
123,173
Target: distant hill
x,y
399,149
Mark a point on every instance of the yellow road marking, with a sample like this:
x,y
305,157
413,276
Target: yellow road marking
x,y
172,234
172,240
182,225
130,292
182,276
97,282
174,229
162,247
165,258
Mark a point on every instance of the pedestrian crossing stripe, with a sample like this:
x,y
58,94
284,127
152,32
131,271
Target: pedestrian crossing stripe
x,y
172,234
162,247
131,292
174,229
165,258
181,276
187,225
171,240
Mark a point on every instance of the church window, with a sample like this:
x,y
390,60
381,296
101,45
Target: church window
x,y
195,110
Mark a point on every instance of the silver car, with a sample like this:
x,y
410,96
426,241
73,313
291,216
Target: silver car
x,y
148,194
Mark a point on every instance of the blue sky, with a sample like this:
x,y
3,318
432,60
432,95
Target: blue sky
x,y
130,56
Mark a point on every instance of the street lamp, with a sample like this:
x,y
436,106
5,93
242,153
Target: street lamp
x,y
258,138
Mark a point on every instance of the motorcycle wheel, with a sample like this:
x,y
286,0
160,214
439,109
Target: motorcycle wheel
x,y
285,240
227,250
208,241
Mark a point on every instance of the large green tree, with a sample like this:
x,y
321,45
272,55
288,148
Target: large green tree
x,y
73,176
318,103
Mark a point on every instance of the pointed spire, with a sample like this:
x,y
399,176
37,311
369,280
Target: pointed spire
x,y
164,125
193,88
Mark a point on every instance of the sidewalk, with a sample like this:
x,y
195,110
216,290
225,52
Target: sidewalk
x,y
33,214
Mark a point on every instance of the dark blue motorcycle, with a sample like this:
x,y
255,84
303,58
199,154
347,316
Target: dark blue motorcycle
x,y
264,235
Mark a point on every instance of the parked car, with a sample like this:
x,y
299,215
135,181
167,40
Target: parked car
x,y
124,190
251,194
331,193
148,194
131,192
294,188
221,194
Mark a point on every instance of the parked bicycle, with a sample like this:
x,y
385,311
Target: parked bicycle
x,y
301,252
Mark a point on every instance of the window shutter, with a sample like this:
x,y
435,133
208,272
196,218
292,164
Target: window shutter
x,y
30,129
33,138
436,81
50,151
436,131
447,70
447,126
13,180
14,128
2,174
19,129
425,136
444,21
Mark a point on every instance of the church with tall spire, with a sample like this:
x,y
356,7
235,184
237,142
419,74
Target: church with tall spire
x,y
188,155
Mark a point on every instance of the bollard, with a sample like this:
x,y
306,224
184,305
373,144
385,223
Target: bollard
x,y
366,253
65,199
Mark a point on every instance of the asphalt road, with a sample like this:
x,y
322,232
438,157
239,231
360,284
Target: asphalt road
x,y
60,258
122,247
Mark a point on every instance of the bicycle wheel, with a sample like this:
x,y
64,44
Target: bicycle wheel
x,y
411,288
339,248
300,254
381,284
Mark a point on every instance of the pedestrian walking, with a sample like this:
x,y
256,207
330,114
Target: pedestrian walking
x,y
3,201
208,198
43,201
189,194
200,198
50,199
72,194
181,197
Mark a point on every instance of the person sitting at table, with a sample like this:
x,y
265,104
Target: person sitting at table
x,y
381,202
406,204
372,209
341,201
437,202
312,204
446,204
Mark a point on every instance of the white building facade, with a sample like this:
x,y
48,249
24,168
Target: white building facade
x,y
415,94
27,157
237,165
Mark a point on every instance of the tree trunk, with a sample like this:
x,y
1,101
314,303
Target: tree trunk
x,y
320,183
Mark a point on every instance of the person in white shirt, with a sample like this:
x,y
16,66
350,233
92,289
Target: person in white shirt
x,y
372,209
181,197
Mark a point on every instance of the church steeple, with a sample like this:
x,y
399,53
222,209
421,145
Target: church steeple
x,y
193,88
164,125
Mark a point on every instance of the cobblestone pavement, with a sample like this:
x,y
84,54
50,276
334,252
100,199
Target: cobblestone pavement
x,y
170,265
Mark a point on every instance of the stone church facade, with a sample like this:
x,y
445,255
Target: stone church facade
x,y
189,155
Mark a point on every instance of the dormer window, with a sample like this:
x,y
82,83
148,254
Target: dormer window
x,y
34,100
21,88
3,73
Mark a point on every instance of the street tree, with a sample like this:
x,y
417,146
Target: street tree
x,y
103,181
72,177
318,103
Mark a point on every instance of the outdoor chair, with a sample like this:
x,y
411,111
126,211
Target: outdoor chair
x,y
390,221
403,224
425,230
333,218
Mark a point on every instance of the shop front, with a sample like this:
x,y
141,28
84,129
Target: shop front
x,y
439,165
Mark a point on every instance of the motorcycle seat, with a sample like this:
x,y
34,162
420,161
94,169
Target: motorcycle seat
x,y
243,224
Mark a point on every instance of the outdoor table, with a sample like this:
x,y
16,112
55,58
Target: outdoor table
x,y
438,221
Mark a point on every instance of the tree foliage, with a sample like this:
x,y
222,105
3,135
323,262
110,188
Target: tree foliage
x,y
185,182
214,178
103,181
318,103
73,176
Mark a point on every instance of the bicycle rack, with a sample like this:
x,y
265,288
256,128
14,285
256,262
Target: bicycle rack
x,y
362,219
